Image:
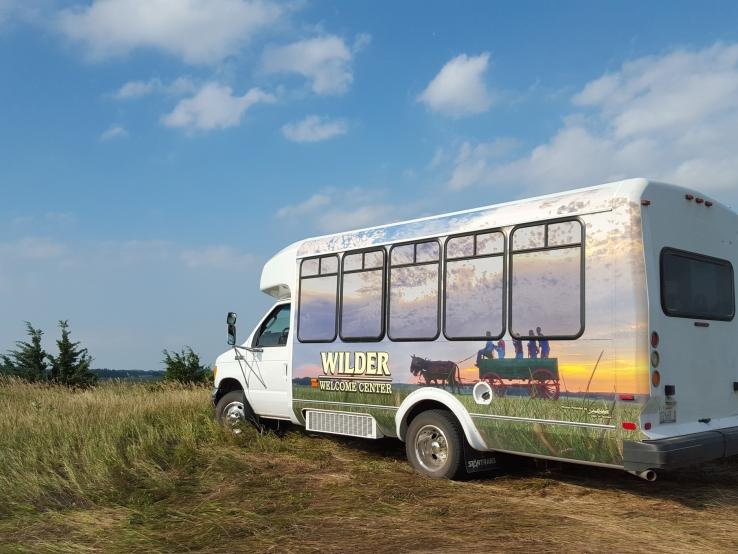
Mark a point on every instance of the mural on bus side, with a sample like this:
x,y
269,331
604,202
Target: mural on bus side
x,y
592,373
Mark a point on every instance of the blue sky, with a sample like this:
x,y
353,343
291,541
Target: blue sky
x,y
154,153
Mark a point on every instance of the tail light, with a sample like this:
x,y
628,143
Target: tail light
x,y
629,426
655,378
654,339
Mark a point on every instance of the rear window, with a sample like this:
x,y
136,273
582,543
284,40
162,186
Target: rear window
x,y
696,286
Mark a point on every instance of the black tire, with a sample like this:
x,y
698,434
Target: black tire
x,y
436,427
229,400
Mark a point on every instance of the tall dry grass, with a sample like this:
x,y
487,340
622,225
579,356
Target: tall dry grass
x,y
120,443
140,468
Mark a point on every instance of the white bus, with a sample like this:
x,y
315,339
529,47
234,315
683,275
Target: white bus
x,y
595,326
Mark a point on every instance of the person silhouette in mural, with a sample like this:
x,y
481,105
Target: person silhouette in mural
x,y
532,346
488,350
518,346
500,349
543,344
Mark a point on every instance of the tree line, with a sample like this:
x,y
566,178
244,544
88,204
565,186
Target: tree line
x,y
71,366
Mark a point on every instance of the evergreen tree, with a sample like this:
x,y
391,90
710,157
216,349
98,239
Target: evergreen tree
x,y
71,367
185,367
28,361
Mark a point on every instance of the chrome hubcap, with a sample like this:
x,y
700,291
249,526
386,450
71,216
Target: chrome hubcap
x,y
431,448
234,415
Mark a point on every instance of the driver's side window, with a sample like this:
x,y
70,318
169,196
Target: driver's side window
x,y
275,329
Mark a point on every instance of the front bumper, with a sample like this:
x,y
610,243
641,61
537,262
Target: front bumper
x,y
685,450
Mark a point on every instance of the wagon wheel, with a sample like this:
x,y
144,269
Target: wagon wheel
x,y
498,386
543,385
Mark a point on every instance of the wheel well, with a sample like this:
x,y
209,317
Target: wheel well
x,y
226,386
417,409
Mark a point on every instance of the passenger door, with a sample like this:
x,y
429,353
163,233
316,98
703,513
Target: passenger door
x,y
269,388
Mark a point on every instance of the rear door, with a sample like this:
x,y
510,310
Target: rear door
x,y
690,258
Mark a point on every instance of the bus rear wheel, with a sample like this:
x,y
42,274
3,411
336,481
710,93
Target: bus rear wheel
x,y
434,445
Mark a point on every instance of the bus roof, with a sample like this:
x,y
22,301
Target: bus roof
x,y
561,204
279,273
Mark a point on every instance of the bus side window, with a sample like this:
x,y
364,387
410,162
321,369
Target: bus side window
x,y
474,286
414,282
362,296
547,280
316,321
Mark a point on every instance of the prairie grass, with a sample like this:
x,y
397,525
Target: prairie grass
x,y
142,468
120,443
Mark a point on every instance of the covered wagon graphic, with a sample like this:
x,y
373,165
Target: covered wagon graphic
x,y
539,376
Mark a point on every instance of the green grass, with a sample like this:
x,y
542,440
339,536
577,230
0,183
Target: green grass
x,y
143,468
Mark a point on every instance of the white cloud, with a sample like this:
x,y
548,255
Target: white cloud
x,y
27,11
138,89
308,206
53,219
217,257
7,9
33,248
361,41
325,61
438,158
114,132
334,210
668,93
197,31
127,252
672,117
214,107
459,88
314,129
472,164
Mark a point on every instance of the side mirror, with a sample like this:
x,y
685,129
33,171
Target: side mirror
x,y
231,321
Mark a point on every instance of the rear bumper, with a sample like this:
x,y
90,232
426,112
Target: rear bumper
x,y
680,451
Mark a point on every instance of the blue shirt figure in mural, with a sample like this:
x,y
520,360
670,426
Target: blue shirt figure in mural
x,y
488,350
543,344
500,349
518,346
532,346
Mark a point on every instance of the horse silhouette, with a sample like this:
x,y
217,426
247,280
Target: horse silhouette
x,y
436,372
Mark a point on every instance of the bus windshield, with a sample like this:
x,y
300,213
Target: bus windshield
x,y
696,286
